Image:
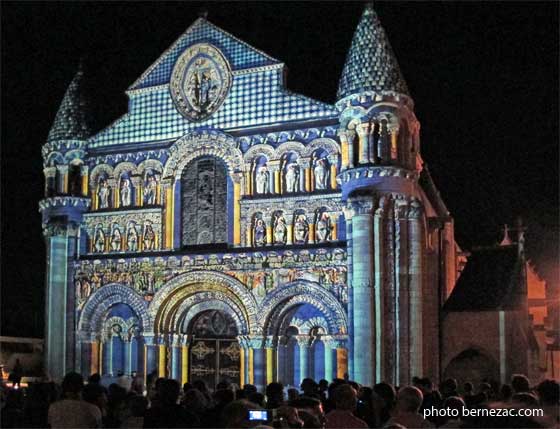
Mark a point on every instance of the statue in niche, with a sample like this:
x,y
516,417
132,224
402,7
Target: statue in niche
x,y
262,180
116,239
150,190
323,227
86,289
301,229
103,194
99,240
125,192
78,287
260,233
132,237
259,288
280,230
292,177
320,172
149,237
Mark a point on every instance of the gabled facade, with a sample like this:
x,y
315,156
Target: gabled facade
x,y
228,228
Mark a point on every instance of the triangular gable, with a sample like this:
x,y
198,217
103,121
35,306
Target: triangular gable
x,y
239,54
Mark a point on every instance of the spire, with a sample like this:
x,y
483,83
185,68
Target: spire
x,y
370,64
72,121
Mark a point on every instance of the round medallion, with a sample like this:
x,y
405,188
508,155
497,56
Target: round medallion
x,y
200,81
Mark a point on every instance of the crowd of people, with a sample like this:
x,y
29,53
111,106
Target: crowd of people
x,y
163,403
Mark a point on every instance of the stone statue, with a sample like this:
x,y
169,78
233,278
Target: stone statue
x,y
149,237
116,239
301,229
103,194
99,240
320,172
125,192
260,233
280,230
262,180
323,227
150,188
292,177
132,238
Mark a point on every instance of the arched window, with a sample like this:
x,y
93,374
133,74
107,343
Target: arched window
x,y
204,202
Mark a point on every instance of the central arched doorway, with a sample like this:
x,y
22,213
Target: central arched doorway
x,y
214,351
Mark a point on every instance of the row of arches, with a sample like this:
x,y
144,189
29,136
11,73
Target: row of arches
x,y
168,333
133,237
298,227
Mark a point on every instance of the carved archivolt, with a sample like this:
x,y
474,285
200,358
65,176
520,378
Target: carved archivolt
x,y
101,169
195,145
260,150
125,167
149,164
96,307
286,297
328,145
291,146
205,285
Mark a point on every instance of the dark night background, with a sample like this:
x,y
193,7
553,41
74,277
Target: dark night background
x,y
484,77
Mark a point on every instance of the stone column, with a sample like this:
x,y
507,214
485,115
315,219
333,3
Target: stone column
x,y
304,342
329,344
289,230
402,288
84,170
109,354
150,354
243,360
304,175
62,179
380,274
268,223
237,209
362,286
162,356
416,243
50,181
127,349
270,352
168,209
274,171
348,212
341,357
185,342
175,343
137,191
333,162
363,131
346,161
258,358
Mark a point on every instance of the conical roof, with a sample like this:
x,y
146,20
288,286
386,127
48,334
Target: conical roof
x,y
371,64
72,121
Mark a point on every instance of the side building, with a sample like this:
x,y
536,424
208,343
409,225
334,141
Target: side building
x,y
226,228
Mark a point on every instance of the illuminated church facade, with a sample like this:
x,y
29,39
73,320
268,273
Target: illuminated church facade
x,y
226,228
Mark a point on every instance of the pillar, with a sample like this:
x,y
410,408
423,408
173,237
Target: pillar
x,y
247,176
127,345
363,142
185,341
84,175
351,135
237,209
277,181
274,171
268,223
416,242
150,355
109,354
175,357
328,343
289,232
380,259
341,362
136,183
63,179
162,363
250,233
344,163
50,181
168,215
303,344
242,362
334,226
311,238
258,361
362,286
333,162
304,175
270,353
94,358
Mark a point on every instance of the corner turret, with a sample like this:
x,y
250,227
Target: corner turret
x,y
378,127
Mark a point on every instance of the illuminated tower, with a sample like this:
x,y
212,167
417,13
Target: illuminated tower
x,y
385,215
62,208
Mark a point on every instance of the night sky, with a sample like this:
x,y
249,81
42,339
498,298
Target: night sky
x,y
484,77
